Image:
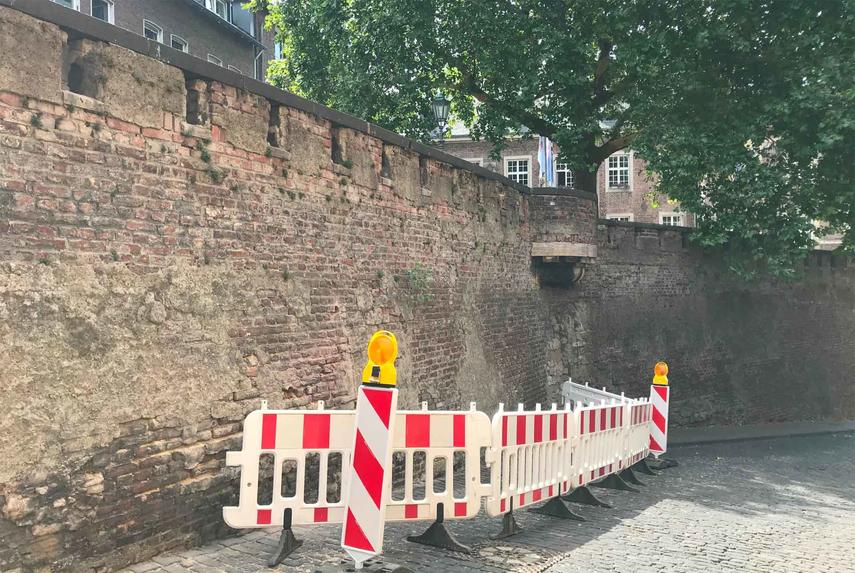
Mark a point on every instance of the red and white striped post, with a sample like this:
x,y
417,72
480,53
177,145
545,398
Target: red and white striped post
x,y
659,395
365,498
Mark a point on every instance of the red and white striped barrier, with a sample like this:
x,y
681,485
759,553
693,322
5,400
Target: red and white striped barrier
x,y
287,438
365,502
451,444
531,457
660,393
298,457
598,445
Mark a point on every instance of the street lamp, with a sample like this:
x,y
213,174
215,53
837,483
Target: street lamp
x,y
441,106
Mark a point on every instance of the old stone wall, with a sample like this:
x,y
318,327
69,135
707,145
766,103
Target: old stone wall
x,y
174,249
740,352
178,243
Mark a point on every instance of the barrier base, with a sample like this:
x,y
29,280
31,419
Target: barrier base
x,y
287,545
584,496
556,508
509,527
627,476
662,463
369,566
438,536
642,467
614,481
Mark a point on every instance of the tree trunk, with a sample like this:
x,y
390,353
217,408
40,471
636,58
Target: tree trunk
x,y
585,181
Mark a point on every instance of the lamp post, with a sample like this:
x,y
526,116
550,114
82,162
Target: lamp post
x,y
441,106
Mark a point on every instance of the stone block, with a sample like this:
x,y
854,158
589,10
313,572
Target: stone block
x,y
133,88
244,119
30,56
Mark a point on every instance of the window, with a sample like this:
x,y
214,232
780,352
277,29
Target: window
x,y
103,10
73,4
617,176
277,50
563,175
152,31
219,7
179,43
671,219
215,60
517,169
475,161
234,69
626,217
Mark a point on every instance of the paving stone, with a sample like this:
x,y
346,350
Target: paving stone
x,y
754,507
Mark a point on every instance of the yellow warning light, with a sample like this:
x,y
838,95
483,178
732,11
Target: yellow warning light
x,y
382,352
660,374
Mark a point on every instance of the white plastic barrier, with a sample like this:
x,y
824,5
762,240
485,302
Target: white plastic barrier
x,y
438,437
637,435
530,457
533,456
291,439
598,443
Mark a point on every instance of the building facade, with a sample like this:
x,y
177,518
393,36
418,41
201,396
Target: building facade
x,y
220,31
625,189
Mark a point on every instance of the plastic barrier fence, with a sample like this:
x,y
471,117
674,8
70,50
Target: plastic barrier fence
x,y
306,452
296,466
530,458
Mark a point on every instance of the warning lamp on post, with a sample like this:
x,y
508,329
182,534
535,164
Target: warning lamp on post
x,y
382,352
660,374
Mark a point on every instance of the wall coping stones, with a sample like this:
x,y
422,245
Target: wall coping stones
x,y
78,25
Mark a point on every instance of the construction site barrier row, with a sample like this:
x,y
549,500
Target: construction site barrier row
x,y
367,466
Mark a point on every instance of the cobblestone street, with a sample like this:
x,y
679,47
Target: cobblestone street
x,y
772,505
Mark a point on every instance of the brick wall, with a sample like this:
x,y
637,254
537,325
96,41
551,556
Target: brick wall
x,y
740,353
174,249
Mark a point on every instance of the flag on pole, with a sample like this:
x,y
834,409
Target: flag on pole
x,y
546,159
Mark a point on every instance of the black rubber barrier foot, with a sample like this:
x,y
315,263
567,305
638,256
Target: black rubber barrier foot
x,y
614,481
584,496
509,526
641,467
287,542
438,536
556,508
629,477
662,463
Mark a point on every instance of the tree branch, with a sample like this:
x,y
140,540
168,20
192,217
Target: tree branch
x,y
614,145
469,85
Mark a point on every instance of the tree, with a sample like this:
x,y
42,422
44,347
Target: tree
x,y
742,108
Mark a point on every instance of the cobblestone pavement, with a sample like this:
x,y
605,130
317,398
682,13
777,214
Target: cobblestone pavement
x,y
773,505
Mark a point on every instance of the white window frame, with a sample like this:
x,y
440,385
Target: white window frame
x,y
567,170
234,69
212,6
215,60
630,217
629,163
518,158
159,30
75,4
479,161
111,10
173,37
679,214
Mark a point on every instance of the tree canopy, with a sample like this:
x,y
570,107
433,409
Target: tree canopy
x,y
743,109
